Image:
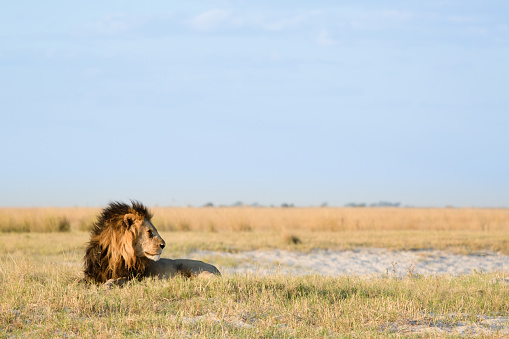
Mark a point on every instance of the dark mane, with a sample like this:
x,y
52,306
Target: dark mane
x,y
110,253
115,211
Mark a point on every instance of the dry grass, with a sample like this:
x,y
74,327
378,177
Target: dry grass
x,y
40,295
45,219
180,243
331,219
237,229
457,242
243,219
44,299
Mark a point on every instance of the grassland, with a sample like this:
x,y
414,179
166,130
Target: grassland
x,y
41,296
274,219
237,229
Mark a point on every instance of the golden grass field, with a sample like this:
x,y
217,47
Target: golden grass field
x,y
459,230
41,296
263,219
45,301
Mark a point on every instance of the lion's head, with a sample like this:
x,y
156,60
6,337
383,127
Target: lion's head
x,y
122,242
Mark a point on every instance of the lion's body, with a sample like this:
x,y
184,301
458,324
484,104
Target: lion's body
x,y
125,245
167,268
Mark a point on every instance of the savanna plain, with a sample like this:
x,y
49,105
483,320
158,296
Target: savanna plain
x,y
41,293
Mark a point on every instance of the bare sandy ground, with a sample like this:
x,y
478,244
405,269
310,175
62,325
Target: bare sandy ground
x,y
357,262
379,262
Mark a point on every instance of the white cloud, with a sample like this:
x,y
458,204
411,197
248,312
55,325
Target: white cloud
x,y
210,19
266,21
111,25
326,39
283,24
397,15
381,19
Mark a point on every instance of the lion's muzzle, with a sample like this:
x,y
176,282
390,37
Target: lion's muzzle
x,y
154,257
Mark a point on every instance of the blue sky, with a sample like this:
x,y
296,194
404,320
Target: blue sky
x,y
177,103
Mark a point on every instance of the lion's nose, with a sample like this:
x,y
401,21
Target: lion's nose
x,y
162,245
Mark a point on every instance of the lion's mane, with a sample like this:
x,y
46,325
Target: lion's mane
x,y
110,253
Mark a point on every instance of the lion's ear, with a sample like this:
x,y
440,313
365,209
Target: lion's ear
x,y
129,219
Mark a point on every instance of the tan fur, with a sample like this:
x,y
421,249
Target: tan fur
x,y
120,248
111,251
125,245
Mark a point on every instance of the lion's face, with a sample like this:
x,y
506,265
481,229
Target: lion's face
x,y
149,243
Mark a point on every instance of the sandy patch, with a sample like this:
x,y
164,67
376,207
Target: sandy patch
x,y
371,261
442,326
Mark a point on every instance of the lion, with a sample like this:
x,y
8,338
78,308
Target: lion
x,y
125,245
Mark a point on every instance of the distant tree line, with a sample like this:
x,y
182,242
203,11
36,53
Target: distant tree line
x,y
289,205
376,204
254,204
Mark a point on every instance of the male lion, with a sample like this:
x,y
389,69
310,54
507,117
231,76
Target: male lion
x,y
125,245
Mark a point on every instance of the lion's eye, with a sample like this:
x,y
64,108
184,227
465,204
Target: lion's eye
x,y
150,234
